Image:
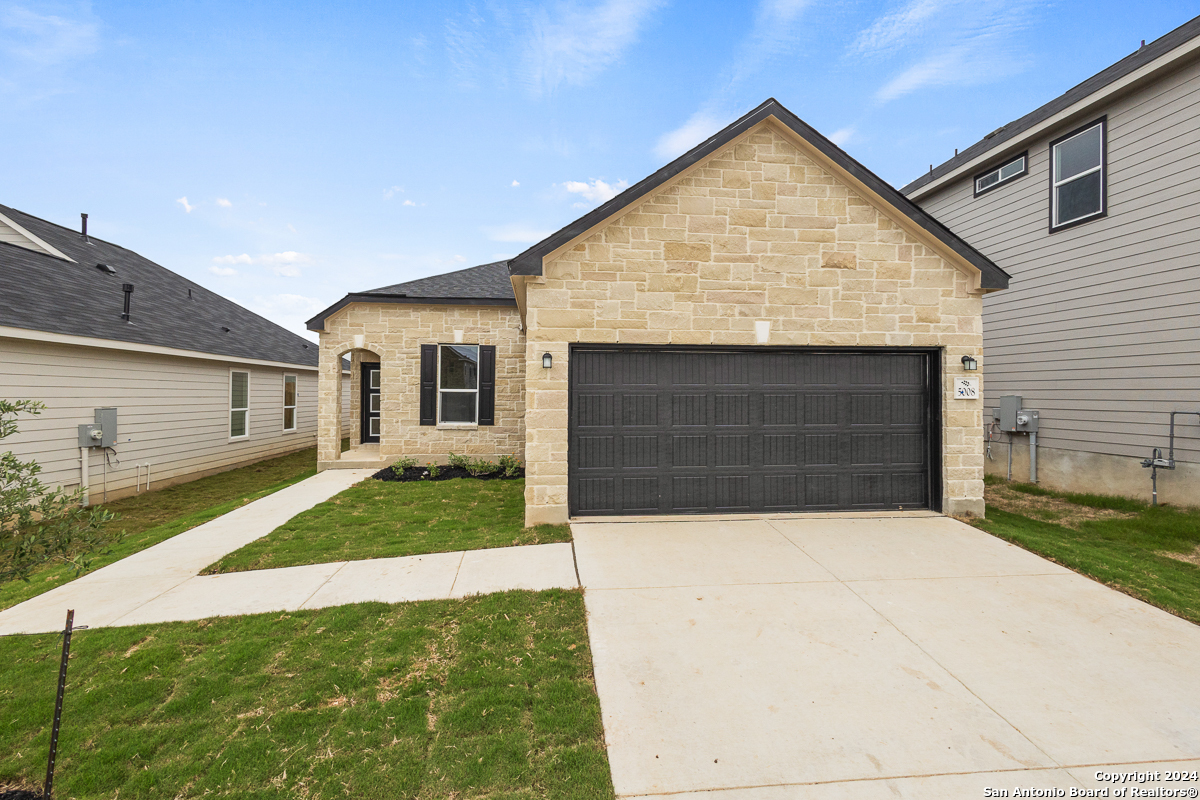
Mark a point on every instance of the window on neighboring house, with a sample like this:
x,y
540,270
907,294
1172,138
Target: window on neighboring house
x,y
1077,180
458,383
1014,168
239,404
289,402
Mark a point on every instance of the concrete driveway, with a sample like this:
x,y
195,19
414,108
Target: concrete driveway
x,y
873,657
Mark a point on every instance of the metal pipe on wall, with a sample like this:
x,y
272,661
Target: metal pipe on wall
x,y
1033,456
83,473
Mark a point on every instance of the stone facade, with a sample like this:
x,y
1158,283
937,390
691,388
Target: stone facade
x,y
759,231
392,334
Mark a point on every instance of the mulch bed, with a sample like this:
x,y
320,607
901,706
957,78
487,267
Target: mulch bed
x,y
20,794
444,474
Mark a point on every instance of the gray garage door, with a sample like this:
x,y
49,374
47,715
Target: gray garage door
x,y
677,431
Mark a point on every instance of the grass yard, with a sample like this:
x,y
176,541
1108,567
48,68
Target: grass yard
x,y
1152,553
378,519
152,517
490,696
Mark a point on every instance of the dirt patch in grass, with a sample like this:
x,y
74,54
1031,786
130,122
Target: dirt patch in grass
x,y
1188,558
1046,508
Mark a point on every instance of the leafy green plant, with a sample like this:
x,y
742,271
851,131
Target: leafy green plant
x,y
39,525
408,462
458,461
433,470
479,467
510,465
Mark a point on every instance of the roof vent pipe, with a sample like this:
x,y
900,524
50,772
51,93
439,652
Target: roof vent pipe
x,y
127,288
83,230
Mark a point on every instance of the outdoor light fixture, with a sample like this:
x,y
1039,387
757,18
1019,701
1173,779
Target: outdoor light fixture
x,y
969,363
547,360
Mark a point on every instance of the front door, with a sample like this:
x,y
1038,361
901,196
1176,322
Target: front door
x,y
370,403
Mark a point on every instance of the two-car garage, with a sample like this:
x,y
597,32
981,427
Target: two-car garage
x,y
692,430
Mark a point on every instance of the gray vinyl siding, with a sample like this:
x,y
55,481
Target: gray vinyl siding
x,y
173,412
1100,330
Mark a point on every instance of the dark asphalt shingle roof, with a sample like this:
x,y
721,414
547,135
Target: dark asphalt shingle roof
x,y
484,285
45,293
996,139
490,281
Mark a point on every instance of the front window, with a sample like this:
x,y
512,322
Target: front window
x,y
239,404
1077,176
458,383
289,402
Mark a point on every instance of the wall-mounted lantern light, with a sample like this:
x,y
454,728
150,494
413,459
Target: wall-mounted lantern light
x,y
547,360
969,363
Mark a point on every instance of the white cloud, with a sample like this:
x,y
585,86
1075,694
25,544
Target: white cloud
x,y
283,264
515,232
186,206
842,135
960,42
224,203
288,310
516,183
702,125
597,191
392,191
571,42
224,272
291,227
242,259
408,203
45,40
891,31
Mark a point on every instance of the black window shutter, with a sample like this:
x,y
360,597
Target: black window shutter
x,y
487,384
429,384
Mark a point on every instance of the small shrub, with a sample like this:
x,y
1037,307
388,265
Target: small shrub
x,y
461,462
432,470
480,466
408,462
510,465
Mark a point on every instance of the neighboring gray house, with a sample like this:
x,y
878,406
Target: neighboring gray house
x,y
1092,204
200,384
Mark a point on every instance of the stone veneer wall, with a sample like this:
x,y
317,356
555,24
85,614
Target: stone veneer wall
x,y
757,232
393,335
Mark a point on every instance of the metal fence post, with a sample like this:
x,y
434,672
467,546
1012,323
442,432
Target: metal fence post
x,y
48,790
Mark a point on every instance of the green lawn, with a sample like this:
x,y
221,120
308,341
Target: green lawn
x,y
378,519
152,517
1128,553
489,696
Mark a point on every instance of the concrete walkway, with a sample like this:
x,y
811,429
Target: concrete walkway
x,y
910,657
160,584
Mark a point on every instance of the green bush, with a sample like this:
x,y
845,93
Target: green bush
x,y
37,524
458,461
405,463
510,465
434,470
480,466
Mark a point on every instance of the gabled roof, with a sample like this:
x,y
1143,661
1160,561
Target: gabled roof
x,y
484,285
1013,132
530,261
41,292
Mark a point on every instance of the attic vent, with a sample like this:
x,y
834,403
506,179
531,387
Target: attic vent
x,y
223,328
106,268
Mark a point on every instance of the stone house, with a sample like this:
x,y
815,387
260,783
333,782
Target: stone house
x,y
763,325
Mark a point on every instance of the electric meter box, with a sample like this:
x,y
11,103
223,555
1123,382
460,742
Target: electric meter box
x,y
1014,418
102,432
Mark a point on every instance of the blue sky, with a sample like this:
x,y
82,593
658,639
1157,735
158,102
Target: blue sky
x,y
285,153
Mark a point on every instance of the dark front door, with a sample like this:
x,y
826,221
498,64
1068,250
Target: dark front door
x,y
676,431
370,403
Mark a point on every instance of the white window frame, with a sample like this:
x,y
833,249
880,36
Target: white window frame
x,y
998,171
295,403
1102,168
440,423
232,409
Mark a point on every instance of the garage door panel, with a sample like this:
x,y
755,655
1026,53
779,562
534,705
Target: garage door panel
x,y
678,431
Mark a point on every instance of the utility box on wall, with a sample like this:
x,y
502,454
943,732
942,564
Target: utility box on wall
x,y
102,432
1014,418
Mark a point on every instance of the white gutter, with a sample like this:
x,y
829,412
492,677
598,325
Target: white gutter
x,y
134,347
1164,62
